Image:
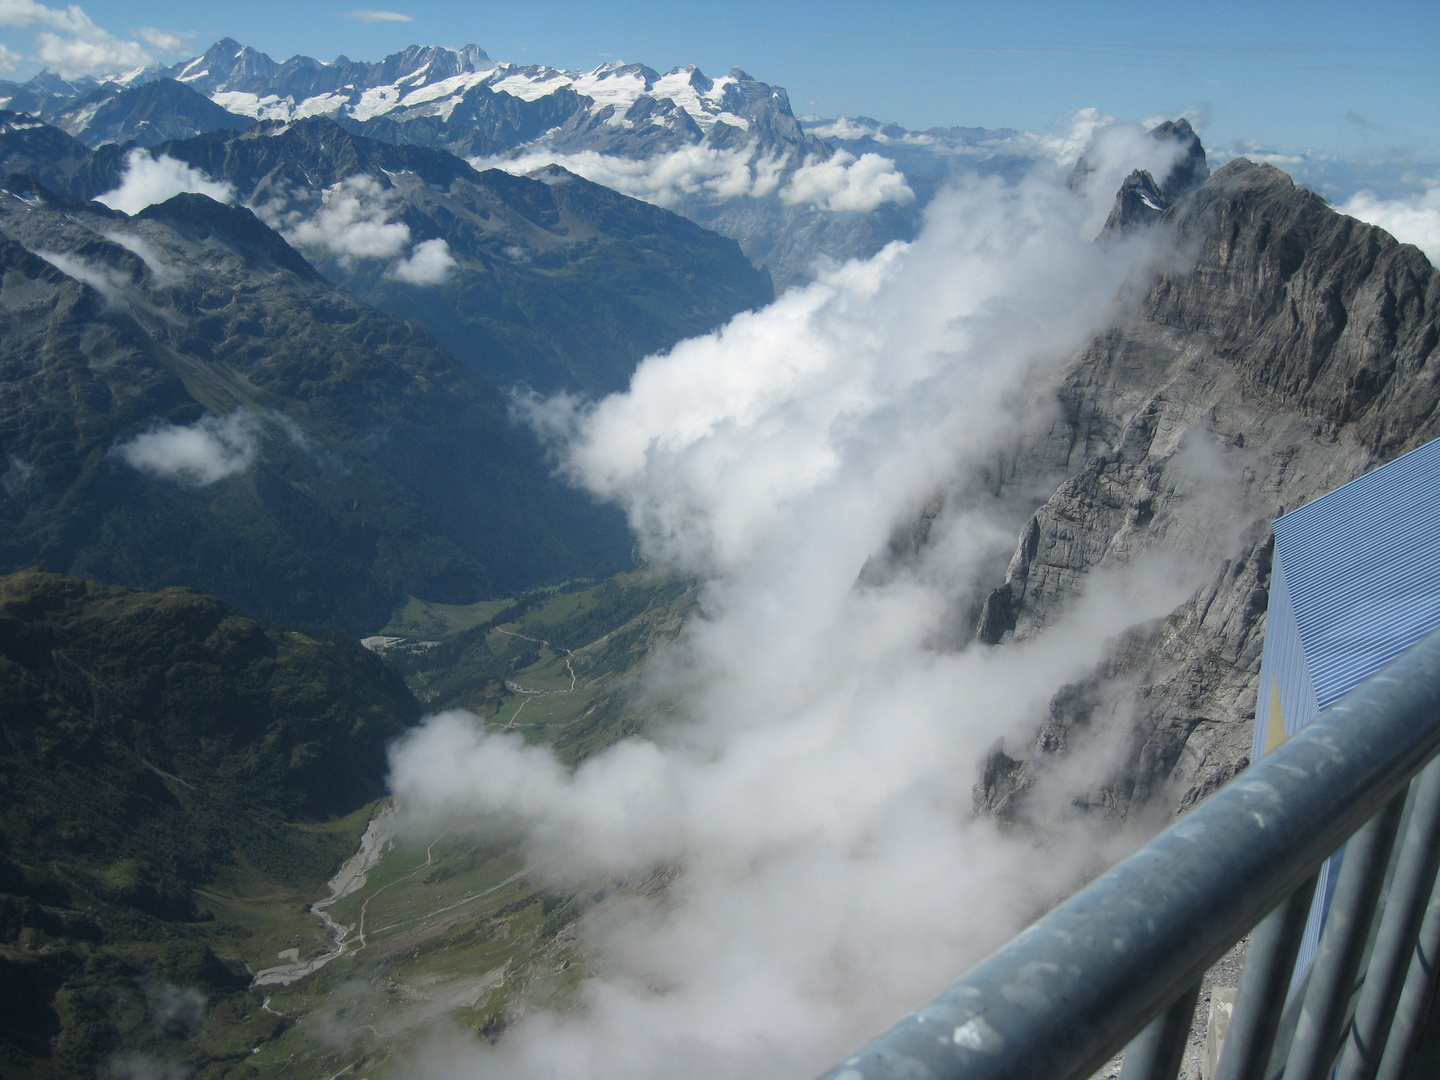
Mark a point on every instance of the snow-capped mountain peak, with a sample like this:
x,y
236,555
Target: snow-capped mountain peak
x,y
436,80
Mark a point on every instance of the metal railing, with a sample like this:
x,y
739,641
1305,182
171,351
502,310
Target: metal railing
x,y
1121,961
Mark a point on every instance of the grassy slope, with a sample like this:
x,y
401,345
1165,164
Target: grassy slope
x,y
572,648
111,952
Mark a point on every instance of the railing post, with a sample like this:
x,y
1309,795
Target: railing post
x,y
1071,990
1347,928
1156,1053
1399,928
1417,998
1260,1001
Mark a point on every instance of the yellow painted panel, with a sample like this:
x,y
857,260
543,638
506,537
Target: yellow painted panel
x,y
1275,729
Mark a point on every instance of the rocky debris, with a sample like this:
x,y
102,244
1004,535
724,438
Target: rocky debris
x,y
1297,350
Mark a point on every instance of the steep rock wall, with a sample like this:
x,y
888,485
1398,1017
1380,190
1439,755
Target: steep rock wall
x,y
1291,350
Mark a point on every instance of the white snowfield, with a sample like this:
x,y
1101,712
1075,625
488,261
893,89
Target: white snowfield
x,y
612,85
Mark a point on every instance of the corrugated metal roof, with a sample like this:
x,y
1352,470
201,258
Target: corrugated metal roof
x,y
1362,565
1354,583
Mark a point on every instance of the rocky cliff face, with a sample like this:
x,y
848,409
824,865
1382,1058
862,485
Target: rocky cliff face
x,y
1293,350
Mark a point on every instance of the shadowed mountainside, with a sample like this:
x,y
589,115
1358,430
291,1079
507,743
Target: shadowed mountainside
x,y
548,281
357,460
143,115
558,283
156,744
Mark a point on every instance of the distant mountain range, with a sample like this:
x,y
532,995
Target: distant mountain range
x,y
728,152
457,99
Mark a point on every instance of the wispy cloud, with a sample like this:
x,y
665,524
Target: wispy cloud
x,y
164,273
164,40
110,283
367,16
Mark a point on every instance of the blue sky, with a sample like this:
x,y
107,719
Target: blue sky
x,y
1353,79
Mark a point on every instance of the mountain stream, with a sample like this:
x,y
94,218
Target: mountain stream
x,y
350,878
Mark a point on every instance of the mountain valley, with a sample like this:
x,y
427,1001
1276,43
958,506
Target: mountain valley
x,y
305,377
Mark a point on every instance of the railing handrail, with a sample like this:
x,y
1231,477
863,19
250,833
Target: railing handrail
x,y
1069,992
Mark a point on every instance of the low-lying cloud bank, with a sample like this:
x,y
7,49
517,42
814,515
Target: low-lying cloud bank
x,y
1411,220
813,795
841,182
197,454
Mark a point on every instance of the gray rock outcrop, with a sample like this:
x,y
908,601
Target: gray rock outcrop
x,y
1295,350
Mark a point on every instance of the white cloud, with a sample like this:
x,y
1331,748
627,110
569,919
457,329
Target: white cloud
x,y
206,451
353,222
9,59
843,183
814,794
663,179
378,16
24,14
1413,219
840,183
74,45
101,54
148,180
429,263
352,225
